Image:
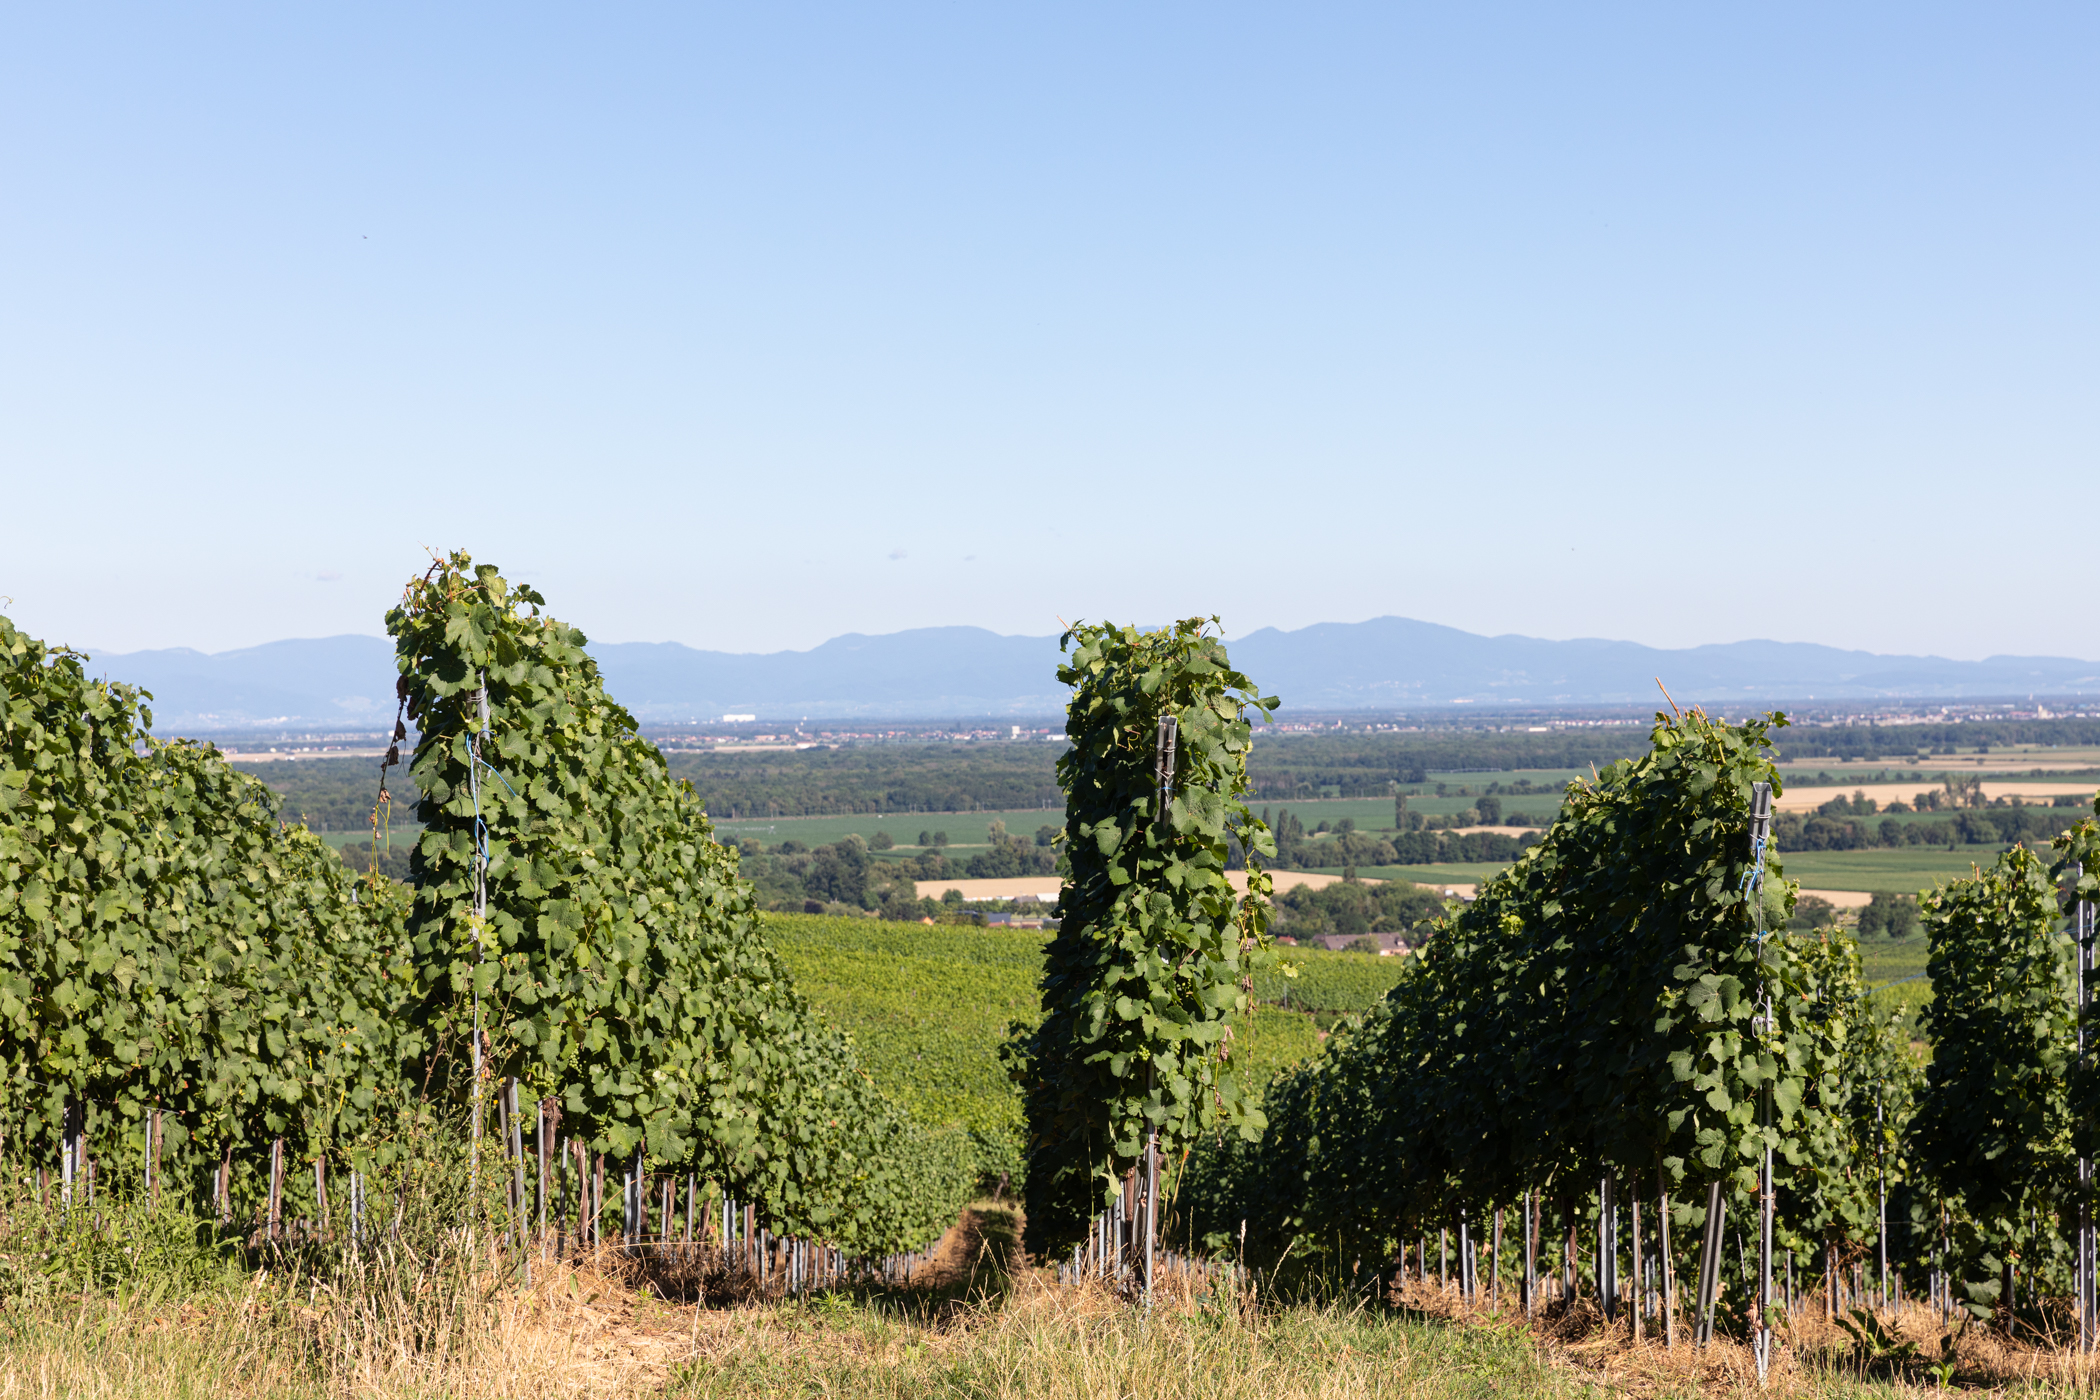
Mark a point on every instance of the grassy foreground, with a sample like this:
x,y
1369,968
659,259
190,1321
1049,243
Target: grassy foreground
x,y
432,1319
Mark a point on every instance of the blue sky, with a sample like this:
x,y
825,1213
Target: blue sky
x,y
748,326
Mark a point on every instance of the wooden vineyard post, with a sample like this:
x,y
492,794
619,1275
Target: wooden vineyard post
x,y
1709,1263
321,1192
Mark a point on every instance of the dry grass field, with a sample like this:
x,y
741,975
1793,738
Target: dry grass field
x,y
436,1322
2032,790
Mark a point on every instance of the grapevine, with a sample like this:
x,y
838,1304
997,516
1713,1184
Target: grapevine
x,y
621,970
1156,949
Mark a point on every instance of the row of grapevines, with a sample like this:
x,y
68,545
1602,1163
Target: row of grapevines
x,y
1592,1011
1992,1134
166,946
620,968
1155,952
1855,1113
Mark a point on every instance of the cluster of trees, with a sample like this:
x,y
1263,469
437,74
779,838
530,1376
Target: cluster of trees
x,y
1870,741
1341,844
874,778
1007,777
328,794
1892,916
1009,857
792,876
1487,810
1351,908
1300,766
1995,825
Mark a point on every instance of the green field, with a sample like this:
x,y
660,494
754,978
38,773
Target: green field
x,y
1904,871
1885,872
929,1006
966,830
1459,873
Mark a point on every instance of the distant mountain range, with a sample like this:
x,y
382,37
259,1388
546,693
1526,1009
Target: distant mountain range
x,y
1388,663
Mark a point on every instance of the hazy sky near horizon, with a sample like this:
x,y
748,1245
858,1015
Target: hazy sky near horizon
x,y
746,326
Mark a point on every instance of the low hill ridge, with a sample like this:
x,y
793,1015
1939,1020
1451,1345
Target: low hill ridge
x,y
1386,663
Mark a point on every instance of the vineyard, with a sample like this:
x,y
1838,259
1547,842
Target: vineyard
x,y
1617,1088
1612,1083
202,1005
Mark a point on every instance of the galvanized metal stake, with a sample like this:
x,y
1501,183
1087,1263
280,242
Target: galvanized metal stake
x,y
2088,1254
1709,1263
1495,1264
1607,1250
1640,1276
1163,773
1767,1195
1465,1257
520,1206
1531,1253
481,914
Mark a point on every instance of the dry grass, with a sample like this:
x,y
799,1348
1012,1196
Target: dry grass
x,y
441,1320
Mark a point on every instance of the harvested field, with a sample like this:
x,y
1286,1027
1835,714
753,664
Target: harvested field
x,y
2033,790
1046,887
